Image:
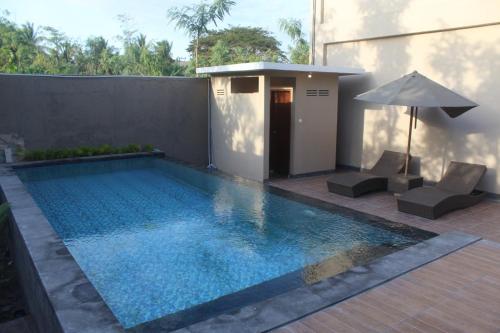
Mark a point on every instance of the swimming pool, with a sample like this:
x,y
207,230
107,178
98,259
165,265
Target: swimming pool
x,y
156,237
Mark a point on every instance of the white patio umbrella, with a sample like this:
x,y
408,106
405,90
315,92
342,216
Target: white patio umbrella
x,y
417,91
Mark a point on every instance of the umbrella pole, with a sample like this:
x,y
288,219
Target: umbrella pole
x,y
409,142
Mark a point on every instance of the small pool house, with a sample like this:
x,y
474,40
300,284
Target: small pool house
x,y
273,120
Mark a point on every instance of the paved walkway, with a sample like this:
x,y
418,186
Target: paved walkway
x,y
457,293
481,220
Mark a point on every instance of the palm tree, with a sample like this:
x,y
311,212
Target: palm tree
x,y
162,55
299,54
141,41
30,35
196,18
143,55
98,53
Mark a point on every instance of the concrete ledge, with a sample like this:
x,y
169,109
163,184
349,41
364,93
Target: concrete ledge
x,y
300,302
59,296
29,164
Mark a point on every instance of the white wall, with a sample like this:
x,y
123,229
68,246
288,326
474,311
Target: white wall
x,y
466,59
314,125
240,126
238,130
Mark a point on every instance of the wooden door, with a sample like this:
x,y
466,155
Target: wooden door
x,y
279,141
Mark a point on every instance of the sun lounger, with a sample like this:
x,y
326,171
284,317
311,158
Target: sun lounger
x,y
354,184
456,190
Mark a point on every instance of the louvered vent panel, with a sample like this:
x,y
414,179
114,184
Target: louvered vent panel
x,y
324,92
311,92
220,92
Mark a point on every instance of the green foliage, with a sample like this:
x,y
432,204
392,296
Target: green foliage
x,y
196,18
105,150
237,45
50,154
34,155
147,148
133,148
45,50
299,52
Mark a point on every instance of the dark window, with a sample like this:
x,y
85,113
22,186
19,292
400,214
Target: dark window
x,y
244,85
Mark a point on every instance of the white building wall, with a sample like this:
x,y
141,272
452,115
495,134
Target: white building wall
x,y
314,123
240,126
455,42
238,129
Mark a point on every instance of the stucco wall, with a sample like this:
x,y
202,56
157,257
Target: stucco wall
x,y
314,125
238,130
240,125
455,43
57,112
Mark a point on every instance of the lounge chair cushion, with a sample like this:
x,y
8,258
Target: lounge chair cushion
x,y
353,184
454,191
461,177
425,196
350,178
431,203
390,163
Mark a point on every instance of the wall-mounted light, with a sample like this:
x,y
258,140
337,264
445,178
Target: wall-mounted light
x,y
309,75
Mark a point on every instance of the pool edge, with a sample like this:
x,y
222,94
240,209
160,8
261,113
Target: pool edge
x,y
84,159
74,305
59,296
283,309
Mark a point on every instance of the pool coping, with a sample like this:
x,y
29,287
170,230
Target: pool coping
x,y
83,159
283,309
62,299
58,294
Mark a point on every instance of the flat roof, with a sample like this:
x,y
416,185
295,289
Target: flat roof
x,y
273,66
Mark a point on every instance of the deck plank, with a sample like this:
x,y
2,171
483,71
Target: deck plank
x,y
457,293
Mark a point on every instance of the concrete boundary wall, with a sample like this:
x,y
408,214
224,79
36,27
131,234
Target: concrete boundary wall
x,y
69,111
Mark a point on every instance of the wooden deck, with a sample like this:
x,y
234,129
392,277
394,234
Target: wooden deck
x,y
481,220
457,293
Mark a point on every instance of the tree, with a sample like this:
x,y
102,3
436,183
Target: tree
x,y
145,58
195,19
99,56
26,49
237,44
164,63
30,35
60,55
220,53
8,45
299,53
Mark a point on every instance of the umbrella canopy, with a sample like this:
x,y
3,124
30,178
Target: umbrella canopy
x,y
415,90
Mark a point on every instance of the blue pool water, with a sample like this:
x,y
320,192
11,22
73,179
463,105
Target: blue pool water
x,y
155,237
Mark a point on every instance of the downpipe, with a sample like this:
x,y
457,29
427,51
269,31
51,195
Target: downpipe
x,y
209,103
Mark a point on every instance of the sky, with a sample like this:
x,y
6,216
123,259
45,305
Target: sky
x,y
80,19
